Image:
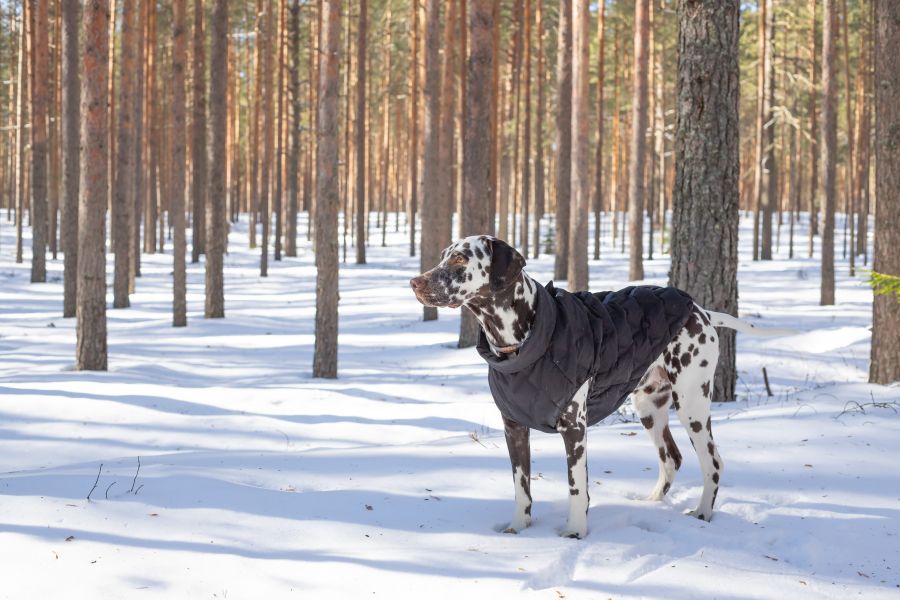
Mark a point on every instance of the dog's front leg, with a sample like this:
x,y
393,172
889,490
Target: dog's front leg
x,y
517,442
573,427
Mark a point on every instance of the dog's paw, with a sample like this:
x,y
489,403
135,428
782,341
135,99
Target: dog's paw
x,y
515,526
698,514
572,534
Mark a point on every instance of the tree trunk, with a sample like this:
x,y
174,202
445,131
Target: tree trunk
x,y
21,118
71,116
90,345
432,242
539,186
577,274
444,188
598,159
40,100
707,168
563,139
268,133
137,108
178,174
123,202
760,121
477,190
813,131
770,174
198,136
278,207
290,246
361,132
638,141
885,365
829,150
218,116
327,194
413,151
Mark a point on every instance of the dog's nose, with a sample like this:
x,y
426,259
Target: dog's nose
x,y
418,283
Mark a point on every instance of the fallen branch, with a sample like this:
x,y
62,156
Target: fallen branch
x,y
133,481
95,482
766,379
109,487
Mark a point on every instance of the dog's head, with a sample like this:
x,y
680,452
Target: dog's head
x,y
478,266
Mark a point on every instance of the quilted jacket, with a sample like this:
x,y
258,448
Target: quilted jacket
x,y
612,337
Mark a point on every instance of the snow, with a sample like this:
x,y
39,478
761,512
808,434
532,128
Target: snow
x,y
257,481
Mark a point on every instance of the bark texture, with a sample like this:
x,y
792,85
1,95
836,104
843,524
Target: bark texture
x,y
638,140
40,151
829,149
178,174
885,366
477,192
71,115
563,139
90,345
215,208
198,140
581,166
432,241
705,201
328,200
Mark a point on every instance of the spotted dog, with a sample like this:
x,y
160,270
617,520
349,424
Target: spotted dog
x,y
486,275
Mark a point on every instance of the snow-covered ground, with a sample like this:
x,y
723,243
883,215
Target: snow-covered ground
x,y
257,481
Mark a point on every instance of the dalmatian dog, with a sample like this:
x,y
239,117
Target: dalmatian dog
x,y
486,275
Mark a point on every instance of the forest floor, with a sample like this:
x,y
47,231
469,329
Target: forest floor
x,y
258,481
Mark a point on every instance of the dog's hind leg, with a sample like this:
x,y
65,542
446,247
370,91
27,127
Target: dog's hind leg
x,y
692,388
518,444
573,428
651,402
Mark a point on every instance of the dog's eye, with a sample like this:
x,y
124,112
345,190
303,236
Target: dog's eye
x,y
457,259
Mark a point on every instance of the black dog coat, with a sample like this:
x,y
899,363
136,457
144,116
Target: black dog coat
x,y
612,337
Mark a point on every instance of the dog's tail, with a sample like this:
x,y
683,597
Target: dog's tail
x,y
725,320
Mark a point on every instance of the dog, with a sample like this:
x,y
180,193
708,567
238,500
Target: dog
x,y
486,275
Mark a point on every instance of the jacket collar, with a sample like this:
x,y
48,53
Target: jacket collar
x,y
537,342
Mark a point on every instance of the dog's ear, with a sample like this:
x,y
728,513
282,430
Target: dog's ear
x,y
506,264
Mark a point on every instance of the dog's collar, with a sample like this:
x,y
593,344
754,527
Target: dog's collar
x,y
508,349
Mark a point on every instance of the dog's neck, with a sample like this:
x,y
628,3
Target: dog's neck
x,y
507,316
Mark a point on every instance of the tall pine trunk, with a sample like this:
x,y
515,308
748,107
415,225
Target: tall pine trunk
x,y
178,173
40,154
218,117
707,168
361,132
829,150
563,139
638,140
327,194
477,190
198,136
71,115
580,168
885,366
432,242
90,328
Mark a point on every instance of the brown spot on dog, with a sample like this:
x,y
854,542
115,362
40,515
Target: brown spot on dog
x,y
705,388
710,447
704,363
685,359
693,325
715,493
648,389
696,426
661,400
662,454
671,449
715,478
716,465
675,401
702,339
709,425
666,488
647,422
712,338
